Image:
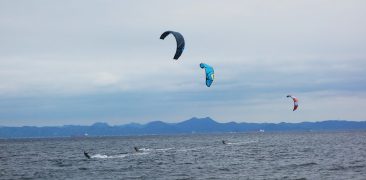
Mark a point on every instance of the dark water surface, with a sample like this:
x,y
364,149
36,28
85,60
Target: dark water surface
x,y
336,155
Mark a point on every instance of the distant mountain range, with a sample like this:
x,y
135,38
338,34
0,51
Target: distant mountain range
x,y
194,125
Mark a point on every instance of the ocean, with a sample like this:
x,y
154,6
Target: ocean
x,y
295,155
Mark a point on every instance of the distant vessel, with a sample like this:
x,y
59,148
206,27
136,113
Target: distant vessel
x,y
261,130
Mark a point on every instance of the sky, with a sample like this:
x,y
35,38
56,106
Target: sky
x,y
86,61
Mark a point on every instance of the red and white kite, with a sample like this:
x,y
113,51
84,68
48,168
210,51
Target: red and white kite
x,y
295,101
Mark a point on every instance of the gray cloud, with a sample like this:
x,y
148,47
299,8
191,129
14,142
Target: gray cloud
x,y
79,62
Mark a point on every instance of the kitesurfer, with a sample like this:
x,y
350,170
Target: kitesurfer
x,y
86,155
224,142
136,149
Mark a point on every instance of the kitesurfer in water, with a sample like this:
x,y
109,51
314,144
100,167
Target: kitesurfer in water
x,y
224,142
86,155
137,149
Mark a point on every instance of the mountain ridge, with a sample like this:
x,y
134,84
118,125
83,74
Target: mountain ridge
x,y
193,125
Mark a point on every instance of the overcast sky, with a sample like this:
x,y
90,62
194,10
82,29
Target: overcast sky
x,y
80,62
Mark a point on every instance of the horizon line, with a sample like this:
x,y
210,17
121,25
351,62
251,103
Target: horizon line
x,y
142,124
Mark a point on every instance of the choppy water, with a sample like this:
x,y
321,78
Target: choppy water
x,y
246,156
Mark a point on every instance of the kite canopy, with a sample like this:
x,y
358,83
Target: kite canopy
x,y
210,74
295,101
180,42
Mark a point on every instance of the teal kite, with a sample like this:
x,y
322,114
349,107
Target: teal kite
x,y
210,74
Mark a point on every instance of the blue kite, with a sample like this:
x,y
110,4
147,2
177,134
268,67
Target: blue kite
x,y
210,74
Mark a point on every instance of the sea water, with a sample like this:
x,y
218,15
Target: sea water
x,y
310,155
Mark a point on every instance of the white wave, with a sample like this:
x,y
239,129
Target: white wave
x,y
102,156
99,156
164,149
239,143
144,149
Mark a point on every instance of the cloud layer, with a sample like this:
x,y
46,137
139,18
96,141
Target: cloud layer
x,y
79,62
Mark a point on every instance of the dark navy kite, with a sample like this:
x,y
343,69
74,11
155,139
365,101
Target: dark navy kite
x,y
180,42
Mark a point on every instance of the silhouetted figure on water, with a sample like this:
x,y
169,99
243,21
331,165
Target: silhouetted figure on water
x,y
137,149
86,155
